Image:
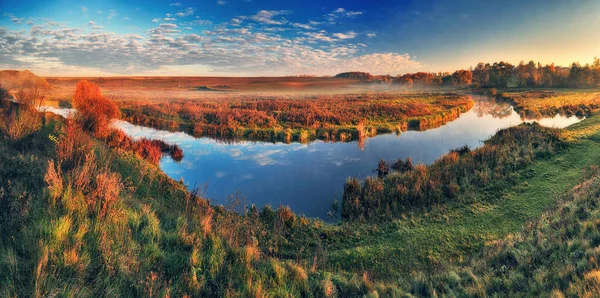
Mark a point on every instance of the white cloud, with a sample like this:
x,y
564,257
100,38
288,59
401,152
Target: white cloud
x,y
236,22
221,2
176,4
318,36
186,12
303,26
341,13
266,17
94,26
197,22
371,35
258,48
347,35
111,14
84,9
13,18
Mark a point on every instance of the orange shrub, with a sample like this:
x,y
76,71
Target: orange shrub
x,y
94,110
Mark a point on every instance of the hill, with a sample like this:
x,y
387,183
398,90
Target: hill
x,y
16,79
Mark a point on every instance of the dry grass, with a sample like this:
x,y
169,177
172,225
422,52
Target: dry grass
x,y
20,123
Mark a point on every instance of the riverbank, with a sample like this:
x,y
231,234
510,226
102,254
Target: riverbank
x,y
538,103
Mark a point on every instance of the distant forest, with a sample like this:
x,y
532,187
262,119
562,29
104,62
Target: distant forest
x,y
497,75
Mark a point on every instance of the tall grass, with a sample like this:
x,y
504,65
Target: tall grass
x,y
491,166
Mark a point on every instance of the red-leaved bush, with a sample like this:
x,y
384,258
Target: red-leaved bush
x,y
150,150
94,110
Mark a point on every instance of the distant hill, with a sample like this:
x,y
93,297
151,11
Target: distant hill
x,y
16,79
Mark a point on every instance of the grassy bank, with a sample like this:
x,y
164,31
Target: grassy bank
x,y
535,104
430,240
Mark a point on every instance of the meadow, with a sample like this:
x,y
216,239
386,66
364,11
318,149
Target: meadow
x,y
85,211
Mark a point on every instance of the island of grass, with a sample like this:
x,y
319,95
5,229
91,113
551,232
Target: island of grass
x,y
342,117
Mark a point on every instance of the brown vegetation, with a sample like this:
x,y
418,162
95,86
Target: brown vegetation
x,y
271,118
212,83
150,150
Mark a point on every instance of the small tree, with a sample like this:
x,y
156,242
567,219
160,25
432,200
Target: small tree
x,y
94,110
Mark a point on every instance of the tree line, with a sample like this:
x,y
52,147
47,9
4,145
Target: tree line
x,y
497,75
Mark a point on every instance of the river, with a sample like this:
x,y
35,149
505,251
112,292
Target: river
x,y
308,177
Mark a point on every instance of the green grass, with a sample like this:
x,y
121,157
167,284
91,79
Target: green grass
x,y
425,241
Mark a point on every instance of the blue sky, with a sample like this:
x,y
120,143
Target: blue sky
x,y
253,37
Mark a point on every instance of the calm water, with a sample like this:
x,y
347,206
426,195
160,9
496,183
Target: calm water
x,y
308,177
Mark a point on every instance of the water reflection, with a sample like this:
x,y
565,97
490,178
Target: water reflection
x,y
309,176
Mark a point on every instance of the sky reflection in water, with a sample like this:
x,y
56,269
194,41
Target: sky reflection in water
x,y
308,177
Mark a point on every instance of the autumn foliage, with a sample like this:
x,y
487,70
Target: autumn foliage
x,y
150,150
298,118
94,110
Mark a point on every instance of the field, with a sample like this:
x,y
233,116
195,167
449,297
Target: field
x,y
247,84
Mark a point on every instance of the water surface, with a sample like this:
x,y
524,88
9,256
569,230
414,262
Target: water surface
x,y
308,177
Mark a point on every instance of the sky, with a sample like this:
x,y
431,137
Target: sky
x,y
276,37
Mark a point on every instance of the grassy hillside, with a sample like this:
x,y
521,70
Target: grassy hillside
x,y
430,240
534,104
79,219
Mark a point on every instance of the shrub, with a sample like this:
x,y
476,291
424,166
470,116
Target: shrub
x,y
94,111
19,123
